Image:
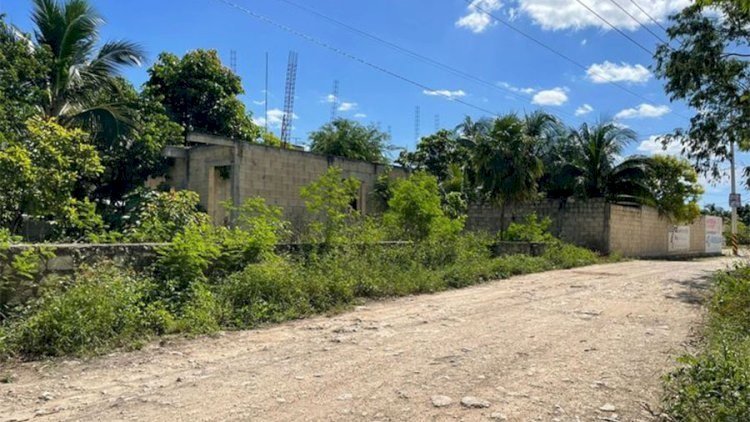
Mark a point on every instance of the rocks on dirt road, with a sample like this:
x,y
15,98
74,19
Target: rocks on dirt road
x,y
474,402
441,401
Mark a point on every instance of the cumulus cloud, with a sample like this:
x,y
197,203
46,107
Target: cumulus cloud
x,y
445,93
275,117
475,19
643,111
653,145
569,14
550,97
346,106
602,73
584,110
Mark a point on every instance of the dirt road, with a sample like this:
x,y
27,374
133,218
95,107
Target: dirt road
x,y
582,344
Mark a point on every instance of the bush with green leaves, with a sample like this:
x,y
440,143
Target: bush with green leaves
x,y
103,308
712,384
162,215
532,229
415,211
21,275
329,201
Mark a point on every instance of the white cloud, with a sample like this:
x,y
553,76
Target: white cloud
x,y
476,20
569,14
643,111
513,88
550,97
445,93
584,110
653,145
360,116
330,98
259,102
275,117
345,106
602,73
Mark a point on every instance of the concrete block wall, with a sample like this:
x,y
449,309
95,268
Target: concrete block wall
x,y
580,222
642,232
271,173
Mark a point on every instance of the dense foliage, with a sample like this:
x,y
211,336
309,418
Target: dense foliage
x,y
707,67
210,277
350,139
200,94
712,384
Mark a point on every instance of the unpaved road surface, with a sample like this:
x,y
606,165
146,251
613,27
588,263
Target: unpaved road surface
x,y
559,345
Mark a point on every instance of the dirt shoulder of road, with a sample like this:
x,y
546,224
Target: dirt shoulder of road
x,y
583,344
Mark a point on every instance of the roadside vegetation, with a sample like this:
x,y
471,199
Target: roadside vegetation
x,y
210,277
713,383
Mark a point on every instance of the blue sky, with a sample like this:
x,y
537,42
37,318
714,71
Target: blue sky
x,y
524,75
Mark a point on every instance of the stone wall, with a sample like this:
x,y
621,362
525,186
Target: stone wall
x,y
582,223
70,256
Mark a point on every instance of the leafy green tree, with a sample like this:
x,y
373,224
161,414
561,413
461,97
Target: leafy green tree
x,y
40,170
131,153
415,211
350,139
329,201
674,187
22,78
593,164
77,69
708,68
435,154
201,94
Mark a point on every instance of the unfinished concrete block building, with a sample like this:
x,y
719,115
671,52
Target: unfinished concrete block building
x,y
221,169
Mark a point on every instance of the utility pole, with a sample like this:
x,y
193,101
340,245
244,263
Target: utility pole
x,y
733,200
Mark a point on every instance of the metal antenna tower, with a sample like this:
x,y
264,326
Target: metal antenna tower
x,y
334,99
437,122
233,60
417,122
265,100
291,82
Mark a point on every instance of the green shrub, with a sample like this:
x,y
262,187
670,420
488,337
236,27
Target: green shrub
x,y
104,308
267,292
714,383
564,255
510,265
21,276
162,215
415,211
329,201
530,230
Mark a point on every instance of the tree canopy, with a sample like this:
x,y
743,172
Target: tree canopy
x,y
350,139
706,65
200,93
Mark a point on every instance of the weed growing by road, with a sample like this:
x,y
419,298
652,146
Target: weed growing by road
x,y
714,383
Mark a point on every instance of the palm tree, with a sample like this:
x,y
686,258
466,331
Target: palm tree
x,y
505,166
594,164
471,129
79,73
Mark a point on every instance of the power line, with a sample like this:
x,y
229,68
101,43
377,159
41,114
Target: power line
x,y
639,22
648,16
412,53
558,53
621,32
350,56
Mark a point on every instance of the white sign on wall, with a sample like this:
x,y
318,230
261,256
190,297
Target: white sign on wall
x,y
679,239
714,236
